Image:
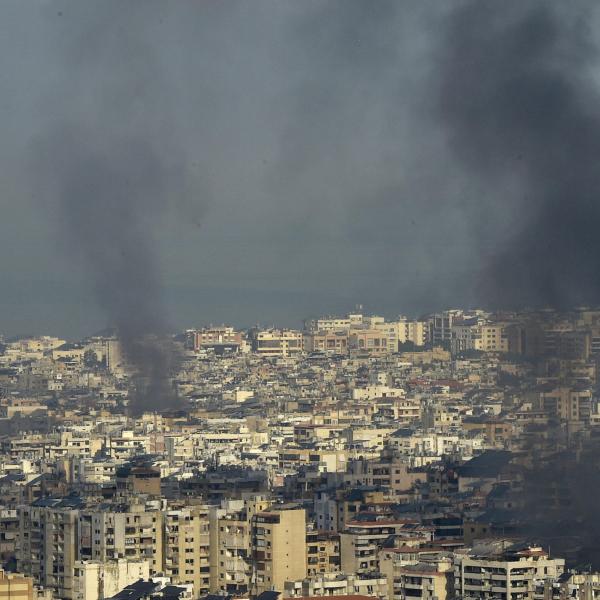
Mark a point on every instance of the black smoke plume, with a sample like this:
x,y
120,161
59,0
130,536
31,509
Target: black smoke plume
x,y
111,200
111,174
522,114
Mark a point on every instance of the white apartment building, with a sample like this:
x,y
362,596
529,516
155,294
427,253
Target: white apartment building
x,y
502,569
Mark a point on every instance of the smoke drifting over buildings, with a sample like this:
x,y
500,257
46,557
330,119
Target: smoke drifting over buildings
x,y
111,199
318,127
112,177
523,116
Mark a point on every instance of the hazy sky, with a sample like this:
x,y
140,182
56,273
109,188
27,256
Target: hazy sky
x,y
304,166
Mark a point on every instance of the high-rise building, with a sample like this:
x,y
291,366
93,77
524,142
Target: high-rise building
x,y
231,534
278,547
48,531
133,532
187,547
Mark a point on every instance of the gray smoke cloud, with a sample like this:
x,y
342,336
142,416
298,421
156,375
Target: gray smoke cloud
x,y
112,179
307,123
518,98
356,152
111,199
521,106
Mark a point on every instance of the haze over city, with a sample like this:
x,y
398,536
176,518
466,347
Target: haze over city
x,y
306,155
299,299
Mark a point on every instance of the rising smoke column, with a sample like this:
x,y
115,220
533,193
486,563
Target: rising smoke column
x,y
110,201
110,167
522,114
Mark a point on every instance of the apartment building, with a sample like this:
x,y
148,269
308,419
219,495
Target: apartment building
x,y
369,341
567,403
412,331
502,569
574,586
96,580
219,339
331,323
9,532
187,547
361,541
493,338
44,343
403,331
133,532
440,327
138,480
13,586
230,543
428,578
278,547
48,533
485,337
326,460
402,411
322,552
277,342
331,341
338,584
88,470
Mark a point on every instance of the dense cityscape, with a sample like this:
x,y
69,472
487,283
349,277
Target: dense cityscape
x,y
193,197
441,457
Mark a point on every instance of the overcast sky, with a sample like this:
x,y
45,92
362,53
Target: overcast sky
x,y
304,166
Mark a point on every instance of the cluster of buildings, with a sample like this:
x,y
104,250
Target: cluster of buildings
x,y
357,458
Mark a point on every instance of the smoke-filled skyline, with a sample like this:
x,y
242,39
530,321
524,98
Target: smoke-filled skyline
x,y
308,156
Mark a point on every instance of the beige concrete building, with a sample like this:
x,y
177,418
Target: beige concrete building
x,y
504,569
402,331
488,337
361,541
430,578
330,323
567,403
48,546
187,547
217,337
322,552
13,586
136,533
138,480
95,580
19,405
334,342
494,338
278,548
230,542
277,342
369,341
338,584
326,460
